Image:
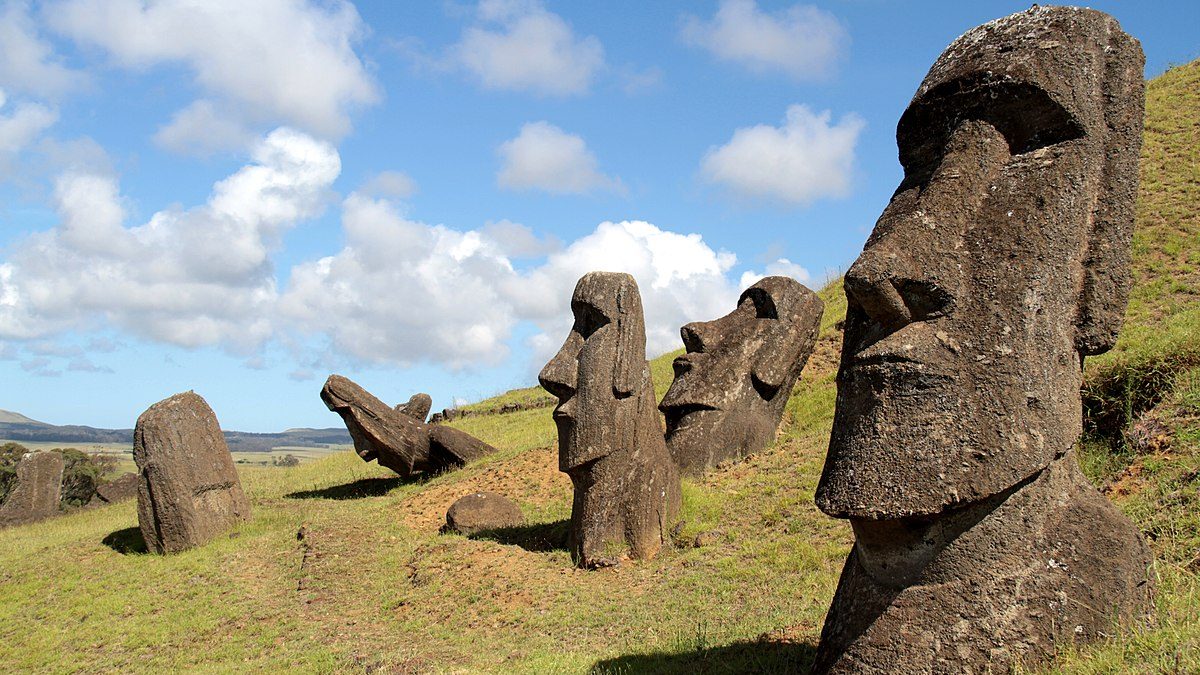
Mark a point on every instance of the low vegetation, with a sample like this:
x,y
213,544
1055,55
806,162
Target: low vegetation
x,y
371,585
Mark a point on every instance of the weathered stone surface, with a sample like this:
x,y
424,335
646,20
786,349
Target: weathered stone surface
x,y
1002,260
189,490
119,489
731,386
610,440
482,511
36,492
417,407
396,439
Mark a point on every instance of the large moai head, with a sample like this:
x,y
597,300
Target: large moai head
x,y
599,370
1000,262
731,386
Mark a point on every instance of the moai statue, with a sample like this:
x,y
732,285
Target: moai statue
x,y
37,490
417,407
1002,260
610,440
731,386
398,437
189,490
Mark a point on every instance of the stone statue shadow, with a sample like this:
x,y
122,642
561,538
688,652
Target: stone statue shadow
x,y
127,541
359,489
535,538
739,657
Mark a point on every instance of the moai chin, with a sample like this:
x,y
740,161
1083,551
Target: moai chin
x,y
610,440
398,437
731,386
1002,260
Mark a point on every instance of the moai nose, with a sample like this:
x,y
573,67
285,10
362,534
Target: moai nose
x,y
871,283
697,337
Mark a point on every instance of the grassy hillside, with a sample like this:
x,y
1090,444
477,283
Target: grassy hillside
x,y
372,586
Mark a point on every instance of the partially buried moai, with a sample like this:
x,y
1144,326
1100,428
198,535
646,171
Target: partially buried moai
x,y
610,439
36,492
188,492
1002,260
731,386
398,437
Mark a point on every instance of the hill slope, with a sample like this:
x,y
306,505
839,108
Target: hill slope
x,y
373,586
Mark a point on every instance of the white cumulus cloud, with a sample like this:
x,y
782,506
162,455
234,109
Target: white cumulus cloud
x,y
201,129
27,61
544,157
200,276
807,158
801,41
263,62
518,45
24,125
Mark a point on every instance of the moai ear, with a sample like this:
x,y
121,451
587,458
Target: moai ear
x,y
1106,266
630,364
787,348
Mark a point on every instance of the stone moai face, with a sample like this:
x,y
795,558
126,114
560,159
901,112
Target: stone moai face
x,y
731,386
598,370
398,437
610,439
1002,260
397,440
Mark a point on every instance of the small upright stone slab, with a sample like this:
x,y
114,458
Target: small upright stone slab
x,y
36,493
189,490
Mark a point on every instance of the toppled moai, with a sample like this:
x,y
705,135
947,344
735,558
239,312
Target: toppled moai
x,y
398,437
37,490
1002,260
189,491
610,440
417,407
116,490
731,386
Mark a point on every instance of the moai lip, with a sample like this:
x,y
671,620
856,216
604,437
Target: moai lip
x,y
610,440
733,383
1002,260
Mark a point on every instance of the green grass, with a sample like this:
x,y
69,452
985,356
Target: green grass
x,y
379,588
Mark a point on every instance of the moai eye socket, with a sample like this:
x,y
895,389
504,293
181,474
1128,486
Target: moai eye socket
x,y
588,319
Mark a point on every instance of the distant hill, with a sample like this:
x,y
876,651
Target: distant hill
x,y
17,427
9,417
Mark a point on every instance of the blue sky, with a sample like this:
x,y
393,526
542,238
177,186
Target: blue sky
x,y
241,198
